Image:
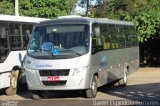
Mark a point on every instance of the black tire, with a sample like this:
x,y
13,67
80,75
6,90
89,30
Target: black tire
x,y
92,92
37,95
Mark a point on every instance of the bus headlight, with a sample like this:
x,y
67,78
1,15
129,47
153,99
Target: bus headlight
x,y
79,70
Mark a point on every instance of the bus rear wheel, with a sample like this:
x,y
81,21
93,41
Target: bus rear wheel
x,y
92,91
124,80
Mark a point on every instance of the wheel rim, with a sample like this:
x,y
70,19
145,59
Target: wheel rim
x,y
125,77
94,87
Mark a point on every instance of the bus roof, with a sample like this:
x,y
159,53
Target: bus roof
x,y
110,21
81,20
21,18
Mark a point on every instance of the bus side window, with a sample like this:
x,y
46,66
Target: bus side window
x,y
113,36
26,31
15,36
105,37
3,38
133,36
106,42
96,39
127,36
121,37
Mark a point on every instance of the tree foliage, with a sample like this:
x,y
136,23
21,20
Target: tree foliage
x,y
6,7
144,13
146,26
38,8
46,8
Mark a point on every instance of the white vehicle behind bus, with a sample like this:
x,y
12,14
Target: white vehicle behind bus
x,y
14,36
77,53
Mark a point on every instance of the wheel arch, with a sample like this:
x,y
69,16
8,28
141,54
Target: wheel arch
x,y
16,67
98,81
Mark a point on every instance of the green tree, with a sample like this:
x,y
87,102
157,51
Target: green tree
x,y
38,8
6,7
146,26
46,8
144,13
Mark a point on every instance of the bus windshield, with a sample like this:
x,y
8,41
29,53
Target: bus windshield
x,y
59,41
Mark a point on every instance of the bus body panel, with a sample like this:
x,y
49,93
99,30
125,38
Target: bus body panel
x,y
76,78
105,63
15,58
110,64
14,36
4,80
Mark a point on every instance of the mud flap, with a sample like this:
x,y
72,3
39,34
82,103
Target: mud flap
x,y
12,90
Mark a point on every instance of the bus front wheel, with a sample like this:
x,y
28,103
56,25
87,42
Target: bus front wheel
x,y
92,91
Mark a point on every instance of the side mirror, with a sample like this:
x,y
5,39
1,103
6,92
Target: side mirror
x,y
96,31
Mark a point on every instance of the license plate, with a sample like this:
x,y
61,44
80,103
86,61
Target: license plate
x,y
53,78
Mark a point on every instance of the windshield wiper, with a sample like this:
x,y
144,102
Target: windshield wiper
x,y
72,51
49,53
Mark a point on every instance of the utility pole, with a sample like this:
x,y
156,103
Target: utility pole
x,y
16,8
87,7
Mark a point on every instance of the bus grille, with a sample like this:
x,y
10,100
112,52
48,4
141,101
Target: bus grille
x,y
54,83
64,72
